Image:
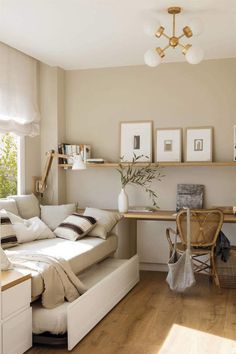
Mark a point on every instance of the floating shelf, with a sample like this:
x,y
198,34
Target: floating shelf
x,y
162,164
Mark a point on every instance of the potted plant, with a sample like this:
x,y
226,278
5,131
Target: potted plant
x,y
140,174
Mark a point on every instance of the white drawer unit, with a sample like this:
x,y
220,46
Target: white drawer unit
x,y
16,298
16,313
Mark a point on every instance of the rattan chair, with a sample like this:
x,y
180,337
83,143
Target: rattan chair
x,y
205,226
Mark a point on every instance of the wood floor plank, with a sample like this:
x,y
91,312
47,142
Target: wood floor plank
x,y
140,323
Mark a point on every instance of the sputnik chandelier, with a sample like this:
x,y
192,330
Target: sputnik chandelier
x,y
193,54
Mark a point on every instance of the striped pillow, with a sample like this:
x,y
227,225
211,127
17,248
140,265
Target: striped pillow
x,y
7,233
75,226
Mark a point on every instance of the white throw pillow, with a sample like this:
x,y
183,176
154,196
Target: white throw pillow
x,y
9,205
75,226
53,215
106,220
27,205
5,263
30,230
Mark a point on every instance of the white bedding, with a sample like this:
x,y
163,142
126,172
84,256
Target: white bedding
x,y
80,254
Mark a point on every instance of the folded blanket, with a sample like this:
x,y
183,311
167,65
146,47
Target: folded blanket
x,y
60,282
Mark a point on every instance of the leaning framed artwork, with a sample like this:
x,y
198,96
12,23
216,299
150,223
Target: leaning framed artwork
x,y
199,144
136,138
168,145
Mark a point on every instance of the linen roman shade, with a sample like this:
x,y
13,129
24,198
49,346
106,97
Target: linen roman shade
x,y
19,112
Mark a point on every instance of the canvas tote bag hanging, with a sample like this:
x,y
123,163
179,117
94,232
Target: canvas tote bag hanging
x,y
181,275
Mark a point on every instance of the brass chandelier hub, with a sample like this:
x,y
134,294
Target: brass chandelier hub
x,y
174,41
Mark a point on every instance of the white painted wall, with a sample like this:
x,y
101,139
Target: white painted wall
x,y
172,95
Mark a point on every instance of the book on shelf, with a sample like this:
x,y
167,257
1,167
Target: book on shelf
x,y
73,149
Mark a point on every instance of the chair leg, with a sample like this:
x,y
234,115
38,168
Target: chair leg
x,y
214,270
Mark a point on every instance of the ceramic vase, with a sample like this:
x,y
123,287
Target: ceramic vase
x,y
123,201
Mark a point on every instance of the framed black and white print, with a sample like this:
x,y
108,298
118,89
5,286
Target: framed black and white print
x,y
168,145
136,138
199,144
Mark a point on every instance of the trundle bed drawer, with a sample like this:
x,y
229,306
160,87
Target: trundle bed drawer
x,y
16,298
108,282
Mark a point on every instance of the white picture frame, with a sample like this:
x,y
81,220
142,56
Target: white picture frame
x,y
199,144
168,145
136,138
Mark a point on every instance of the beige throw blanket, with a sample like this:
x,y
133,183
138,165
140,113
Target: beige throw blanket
x,y
60,282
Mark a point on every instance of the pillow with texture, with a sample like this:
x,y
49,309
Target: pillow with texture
x,y
7,232
75,226
5,263
27,205
53,215
30,230
106,220
9,205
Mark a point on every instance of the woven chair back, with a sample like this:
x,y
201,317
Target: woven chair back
x,y
205,225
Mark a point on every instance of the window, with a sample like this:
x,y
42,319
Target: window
x,y
11,164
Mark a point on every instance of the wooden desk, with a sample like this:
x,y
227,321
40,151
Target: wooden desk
x,y
166,215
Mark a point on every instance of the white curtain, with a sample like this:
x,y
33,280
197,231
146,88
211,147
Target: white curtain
x,y
19,111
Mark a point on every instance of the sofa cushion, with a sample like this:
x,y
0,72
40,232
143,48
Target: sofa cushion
x,y
106,220
7,232
75,226
28,205
53,215
31,229
9,205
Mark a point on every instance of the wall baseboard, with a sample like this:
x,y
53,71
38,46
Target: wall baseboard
x,y
155,267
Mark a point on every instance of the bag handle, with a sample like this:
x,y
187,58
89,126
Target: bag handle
x,y
188,229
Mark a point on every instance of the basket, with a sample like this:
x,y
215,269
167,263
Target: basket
x,y
227,270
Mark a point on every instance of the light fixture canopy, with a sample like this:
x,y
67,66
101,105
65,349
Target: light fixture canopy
x,y
193,54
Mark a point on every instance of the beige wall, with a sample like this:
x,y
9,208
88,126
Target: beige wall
x,y
52,128
172,95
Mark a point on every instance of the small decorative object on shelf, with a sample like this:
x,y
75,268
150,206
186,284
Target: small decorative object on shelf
x,y
95,160
169,145
143,176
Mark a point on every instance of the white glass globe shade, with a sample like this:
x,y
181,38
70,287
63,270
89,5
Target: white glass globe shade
x,y
194,55
151,58
151,26
196,26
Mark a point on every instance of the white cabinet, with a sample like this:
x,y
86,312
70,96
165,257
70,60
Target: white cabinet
x,y
16,313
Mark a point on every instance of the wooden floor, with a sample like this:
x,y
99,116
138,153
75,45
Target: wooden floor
x,y
141,321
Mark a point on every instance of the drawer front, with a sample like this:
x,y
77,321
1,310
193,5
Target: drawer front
x,y
16,298
17,333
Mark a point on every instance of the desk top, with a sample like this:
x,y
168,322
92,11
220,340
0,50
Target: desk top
x,y
11,277
166,215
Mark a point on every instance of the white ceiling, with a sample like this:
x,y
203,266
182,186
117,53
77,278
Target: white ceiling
x,y
79,34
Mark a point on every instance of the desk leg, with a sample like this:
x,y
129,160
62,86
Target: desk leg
x,y
126,230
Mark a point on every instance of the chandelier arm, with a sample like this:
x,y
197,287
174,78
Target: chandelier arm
x,y
165,35
173,25
182,35
164,49
181,45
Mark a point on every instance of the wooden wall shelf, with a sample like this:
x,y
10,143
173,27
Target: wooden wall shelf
x,y
163,164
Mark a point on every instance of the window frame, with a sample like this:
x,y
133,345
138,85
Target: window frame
x,y
20,165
